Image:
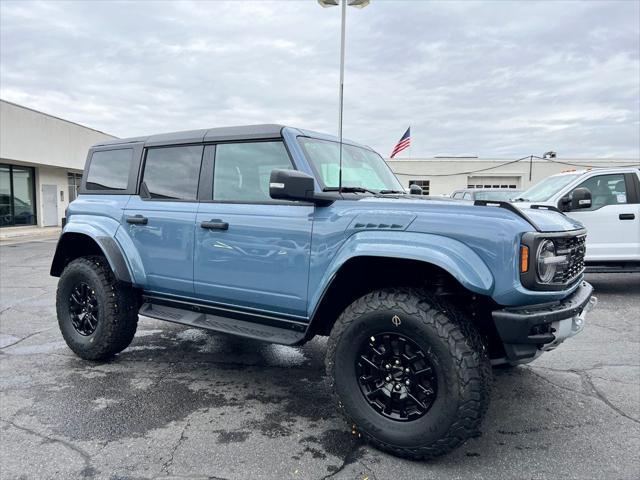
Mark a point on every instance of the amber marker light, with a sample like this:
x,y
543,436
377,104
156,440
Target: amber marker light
x,y
524,259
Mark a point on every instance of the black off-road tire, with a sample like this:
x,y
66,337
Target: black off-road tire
x,y
117,309
456,351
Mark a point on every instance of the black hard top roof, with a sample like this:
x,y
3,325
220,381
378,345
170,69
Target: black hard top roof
x,y
244,132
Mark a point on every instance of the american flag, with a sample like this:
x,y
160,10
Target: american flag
x,y
403,143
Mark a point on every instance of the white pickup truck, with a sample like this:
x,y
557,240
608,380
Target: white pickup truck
x,y
610,210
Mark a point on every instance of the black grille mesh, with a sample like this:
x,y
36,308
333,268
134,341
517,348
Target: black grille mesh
x,y
574,249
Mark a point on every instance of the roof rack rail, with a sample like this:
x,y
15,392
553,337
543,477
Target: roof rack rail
x,y
507,206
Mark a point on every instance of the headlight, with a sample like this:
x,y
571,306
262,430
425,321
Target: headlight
x,y
546,264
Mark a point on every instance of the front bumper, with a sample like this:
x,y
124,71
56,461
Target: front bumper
x,y
527,331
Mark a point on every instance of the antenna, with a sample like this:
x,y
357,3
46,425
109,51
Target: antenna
x,y
342,33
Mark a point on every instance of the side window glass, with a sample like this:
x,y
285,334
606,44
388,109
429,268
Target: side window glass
x,y
109,169
173,172
467,196
606,190
242,170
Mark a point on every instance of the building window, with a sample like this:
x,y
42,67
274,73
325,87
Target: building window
x,y
73,180
17,196
424,184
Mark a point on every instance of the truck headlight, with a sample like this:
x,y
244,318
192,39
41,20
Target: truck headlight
x,y
546,264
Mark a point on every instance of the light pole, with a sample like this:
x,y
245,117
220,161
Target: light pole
x,y
343,4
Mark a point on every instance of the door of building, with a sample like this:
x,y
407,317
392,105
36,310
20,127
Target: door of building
x,y
49,205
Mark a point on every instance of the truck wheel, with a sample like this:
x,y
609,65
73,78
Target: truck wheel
x,y
410,372
97,315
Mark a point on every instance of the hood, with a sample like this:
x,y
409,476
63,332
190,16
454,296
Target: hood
x,y
544,216
442,209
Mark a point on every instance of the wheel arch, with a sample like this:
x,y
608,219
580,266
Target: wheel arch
x,y
74,244
371,260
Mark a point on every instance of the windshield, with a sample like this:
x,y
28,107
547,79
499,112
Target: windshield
x,y
544,190
497,195
360,167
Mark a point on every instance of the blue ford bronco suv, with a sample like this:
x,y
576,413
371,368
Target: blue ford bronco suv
x,y
280,234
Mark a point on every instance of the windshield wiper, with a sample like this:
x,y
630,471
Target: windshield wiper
x,y
520,199
385,192
350,190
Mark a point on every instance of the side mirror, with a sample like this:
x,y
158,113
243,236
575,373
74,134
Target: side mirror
x,y
580,198
415,189
294,185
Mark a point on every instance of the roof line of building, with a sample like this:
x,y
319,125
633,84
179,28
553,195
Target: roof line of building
x,y
56,117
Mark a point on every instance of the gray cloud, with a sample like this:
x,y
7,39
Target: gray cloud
x,y
502,79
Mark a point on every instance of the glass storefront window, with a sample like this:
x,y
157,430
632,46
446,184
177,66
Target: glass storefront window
x,y
17,196
5,196
74,185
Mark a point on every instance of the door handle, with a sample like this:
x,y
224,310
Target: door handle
x,y
215,225
137,220
626,216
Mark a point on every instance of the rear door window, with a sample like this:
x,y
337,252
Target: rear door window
x,y
109,169
172,173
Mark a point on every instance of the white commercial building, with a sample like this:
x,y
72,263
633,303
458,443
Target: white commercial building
x,y
442,175
41,161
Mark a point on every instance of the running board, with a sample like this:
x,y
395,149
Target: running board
x,y
210,321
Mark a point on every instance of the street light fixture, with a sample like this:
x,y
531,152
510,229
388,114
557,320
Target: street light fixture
x,y
343,4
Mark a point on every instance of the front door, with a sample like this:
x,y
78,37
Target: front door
x,y
161,224
613,220
252,252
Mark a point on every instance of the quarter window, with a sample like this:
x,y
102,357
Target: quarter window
x,y
109,169
242,170
172,173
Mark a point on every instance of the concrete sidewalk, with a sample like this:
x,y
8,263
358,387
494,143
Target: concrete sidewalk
x,y
12,235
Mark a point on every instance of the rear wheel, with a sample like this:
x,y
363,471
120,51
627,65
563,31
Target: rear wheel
x,y
410,372
97,315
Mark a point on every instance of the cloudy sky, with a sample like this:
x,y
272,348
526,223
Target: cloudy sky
x,y
496,79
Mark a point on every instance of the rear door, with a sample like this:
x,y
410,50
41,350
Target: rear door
x,y
252,252
161,224
613,220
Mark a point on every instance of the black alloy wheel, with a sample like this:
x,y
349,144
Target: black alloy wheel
x,y
396,377
83,309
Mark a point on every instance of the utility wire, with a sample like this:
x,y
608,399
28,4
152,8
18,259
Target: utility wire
x,y
528,157
464,173
583,165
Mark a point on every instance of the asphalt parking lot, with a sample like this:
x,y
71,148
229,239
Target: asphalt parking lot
x,y
185,403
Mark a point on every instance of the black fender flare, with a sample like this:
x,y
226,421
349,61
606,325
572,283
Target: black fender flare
x,y
72,245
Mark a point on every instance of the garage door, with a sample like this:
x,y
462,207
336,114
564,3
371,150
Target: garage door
x,y
493,182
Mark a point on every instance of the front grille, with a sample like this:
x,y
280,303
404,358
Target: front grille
x,y
574,248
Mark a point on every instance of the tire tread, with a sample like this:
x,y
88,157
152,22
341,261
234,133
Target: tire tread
x,y
465,345
120,320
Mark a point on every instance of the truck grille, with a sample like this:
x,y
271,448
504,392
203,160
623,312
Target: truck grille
x,y
574,248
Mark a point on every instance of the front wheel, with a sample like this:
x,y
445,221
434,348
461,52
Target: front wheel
x,y
97,315
410,372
